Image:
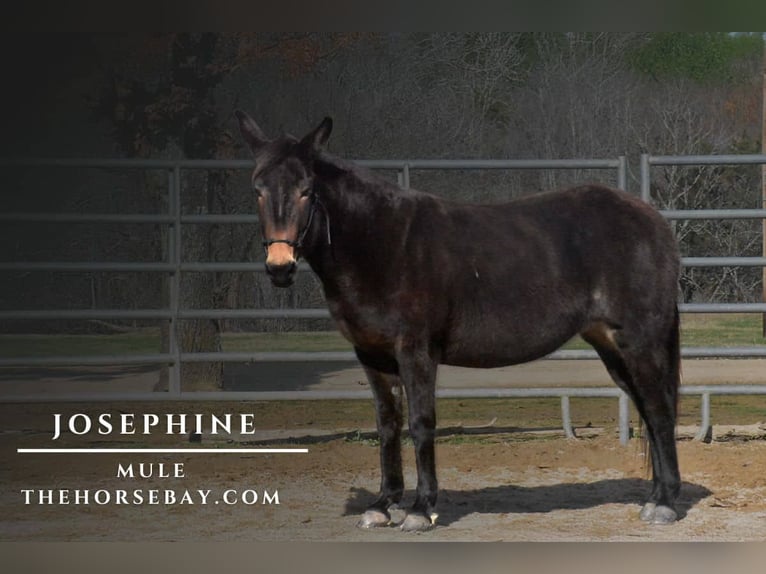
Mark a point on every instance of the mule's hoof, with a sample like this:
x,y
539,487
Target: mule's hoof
x,y
647,512
658,514
664,515
418,523
373,519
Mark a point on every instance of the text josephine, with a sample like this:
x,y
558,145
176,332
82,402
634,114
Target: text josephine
x,y
146,424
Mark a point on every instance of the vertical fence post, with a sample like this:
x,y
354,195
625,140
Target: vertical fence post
x,y
763,184
624,419
566,418
403,176
174,257
646,192
622,173
705,428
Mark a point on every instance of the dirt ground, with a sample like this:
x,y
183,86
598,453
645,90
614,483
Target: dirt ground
x,y
349,376
506,487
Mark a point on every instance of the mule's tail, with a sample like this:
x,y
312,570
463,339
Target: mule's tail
x,y
674,355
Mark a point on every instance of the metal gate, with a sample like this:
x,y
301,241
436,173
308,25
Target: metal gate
x,y
174,266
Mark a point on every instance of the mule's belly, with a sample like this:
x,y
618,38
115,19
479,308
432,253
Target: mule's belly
x,y
510,334
503,351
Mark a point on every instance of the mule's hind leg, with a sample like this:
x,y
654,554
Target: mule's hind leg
x,y
650,377
387,391
656,390
665,371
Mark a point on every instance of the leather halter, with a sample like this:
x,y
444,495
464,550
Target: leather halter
x,y
298,242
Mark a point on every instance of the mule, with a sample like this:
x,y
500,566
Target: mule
x,y
413,281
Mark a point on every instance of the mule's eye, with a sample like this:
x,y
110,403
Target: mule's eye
x,y
305,191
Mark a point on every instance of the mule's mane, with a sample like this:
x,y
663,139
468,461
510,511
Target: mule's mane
x,y
329,167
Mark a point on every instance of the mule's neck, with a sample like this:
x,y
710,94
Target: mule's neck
x,y
351,201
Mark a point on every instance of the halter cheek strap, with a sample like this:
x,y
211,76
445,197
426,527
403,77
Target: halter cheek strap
x,y
298,242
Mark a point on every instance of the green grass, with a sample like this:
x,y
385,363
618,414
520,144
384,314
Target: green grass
x,y
731,330
711,330
142,341
148,341
297,341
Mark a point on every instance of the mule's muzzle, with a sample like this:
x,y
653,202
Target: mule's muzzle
x,y
282,275
281,263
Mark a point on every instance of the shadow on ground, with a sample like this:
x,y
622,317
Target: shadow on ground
x,y
266,376
271,376
98,374
511,499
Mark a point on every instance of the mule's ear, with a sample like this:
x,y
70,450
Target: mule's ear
x,y
253,135
316,139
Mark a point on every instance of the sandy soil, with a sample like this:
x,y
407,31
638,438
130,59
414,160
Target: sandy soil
x,y
496,488
493,487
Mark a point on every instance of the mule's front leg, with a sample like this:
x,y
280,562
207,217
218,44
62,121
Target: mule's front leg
x,y
386,389
418,373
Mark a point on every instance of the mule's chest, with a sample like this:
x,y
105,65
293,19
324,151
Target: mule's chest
x,y
369,327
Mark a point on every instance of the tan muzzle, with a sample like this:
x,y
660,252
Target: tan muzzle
x,y
280,254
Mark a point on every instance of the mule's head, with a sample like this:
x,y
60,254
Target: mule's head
x,y
283,184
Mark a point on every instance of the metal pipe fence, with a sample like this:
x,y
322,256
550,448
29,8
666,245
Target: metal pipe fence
x,y
174,266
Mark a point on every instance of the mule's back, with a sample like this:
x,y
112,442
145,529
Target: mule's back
x,y
551,265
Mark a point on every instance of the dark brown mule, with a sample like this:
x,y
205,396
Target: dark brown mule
x,y
413,280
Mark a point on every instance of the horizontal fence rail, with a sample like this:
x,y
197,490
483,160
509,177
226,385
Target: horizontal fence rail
x,y
88,314
218,267
647,161
313,357
174,266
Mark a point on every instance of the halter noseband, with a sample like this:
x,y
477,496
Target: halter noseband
x,y
298,242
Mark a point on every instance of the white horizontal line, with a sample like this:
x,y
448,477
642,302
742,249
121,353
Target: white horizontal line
x,y
161,450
